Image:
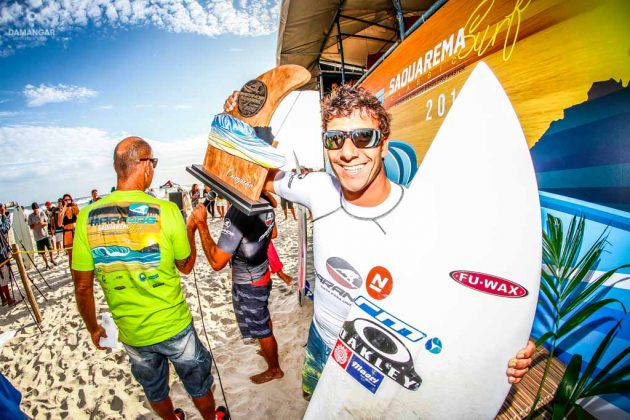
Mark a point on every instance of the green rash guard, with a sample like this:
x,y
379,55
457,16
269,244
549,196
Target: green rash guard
x,y
131,240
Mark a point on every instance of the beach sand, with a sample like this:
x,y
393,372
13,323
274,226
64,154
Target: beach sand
x,y
61,374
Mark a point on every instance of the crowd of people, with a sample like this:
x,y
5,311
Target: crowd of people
x,y
153,317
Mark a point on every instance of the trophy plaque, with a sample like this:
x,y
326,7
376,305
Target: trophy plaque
x,y
239,180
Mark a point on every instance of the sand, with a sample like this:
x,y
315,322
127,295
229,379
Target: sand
x,y
61,374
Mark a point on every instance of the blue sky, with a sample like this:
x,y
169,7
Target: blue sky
x,y
105,69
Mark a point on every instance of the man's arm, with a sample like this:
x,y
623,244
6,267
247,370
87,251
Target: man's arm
x,y
84,293
186,266
215,255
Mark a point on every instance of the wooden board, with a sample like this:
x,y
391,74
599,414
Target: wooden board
x,y
258,101
245,205
278,83
243,176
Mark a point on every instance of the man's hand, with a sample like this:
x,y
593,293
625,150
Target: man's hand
x,y
231,102
518,366
96,337
199,215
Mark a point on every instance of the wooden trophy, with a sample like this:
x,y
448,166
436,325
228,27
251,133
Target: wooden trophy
x,y
239,180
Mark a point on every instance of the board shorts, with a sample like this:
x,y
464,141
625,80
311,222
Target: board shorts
x,y
59,236
251,309
192,362
44,243
315,357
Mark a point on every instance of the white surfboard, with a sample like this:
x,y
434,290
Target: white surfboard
x,y
452,293
302,232
22,235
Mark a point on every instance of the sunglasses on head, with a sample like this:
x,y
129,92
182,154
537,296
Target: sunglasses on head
x,y
362,138
153,161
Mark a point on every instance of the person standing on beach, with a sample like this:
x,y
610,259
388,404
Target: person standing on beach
x,y
56,225
244,242
39,225
95,196
68,218
135,244
356,130
195,195
209,198
5,256
48,211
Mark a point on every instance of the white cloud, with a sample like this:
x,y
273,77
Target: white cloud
x,y
182,107
209,18
44,162
44,94
4,101
8,114
103,107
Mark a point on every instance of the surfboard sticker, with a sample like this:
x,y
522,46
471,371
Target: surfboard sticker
x,y
441,345
362,372
389,320
382,351
489,284
343,273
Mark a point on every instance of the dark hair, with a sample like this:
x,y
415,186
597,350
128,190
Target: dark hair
x,y
346,99
126,160
67,195
94,190
34,206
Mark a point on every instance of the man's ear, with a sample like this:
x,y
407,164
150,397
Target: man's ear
x,y
384,148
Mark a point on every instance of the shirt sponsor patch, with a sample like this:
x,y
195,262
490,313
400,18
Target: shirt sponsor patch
x,y
138,209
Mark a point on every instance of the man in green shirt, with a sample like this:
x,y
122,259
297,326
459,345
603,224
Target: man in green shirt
x,y
134,245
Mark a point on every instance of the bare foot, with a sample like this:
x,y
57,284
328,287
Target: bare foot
x,y
266,376
285,277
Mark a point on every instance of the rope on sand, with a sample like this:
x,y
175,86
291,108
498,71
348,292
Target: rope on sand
x,y
214,362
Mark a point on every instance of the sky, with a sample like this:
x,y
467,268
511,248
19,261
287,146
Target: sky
x,y
77,76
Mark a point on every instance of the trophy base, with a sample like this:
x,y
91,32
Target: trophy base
x,y
237,198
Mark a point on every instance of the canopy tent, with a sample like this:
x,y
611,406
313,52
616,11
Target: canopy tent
x,y
309,34
169,184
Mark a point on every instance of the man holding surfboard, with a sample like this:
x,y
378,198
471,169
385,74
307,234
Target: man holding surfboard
x,y
356,130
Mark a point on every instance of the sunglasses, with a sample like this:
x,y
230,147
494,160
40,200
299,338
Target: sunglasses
x,y
362,138
153,161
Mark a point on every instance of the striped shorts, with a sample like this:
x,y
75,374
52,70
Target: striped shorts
x,y
250,307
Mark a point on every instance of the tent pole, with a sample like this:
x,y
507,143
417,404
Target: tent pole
x,y
401,22
340,47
